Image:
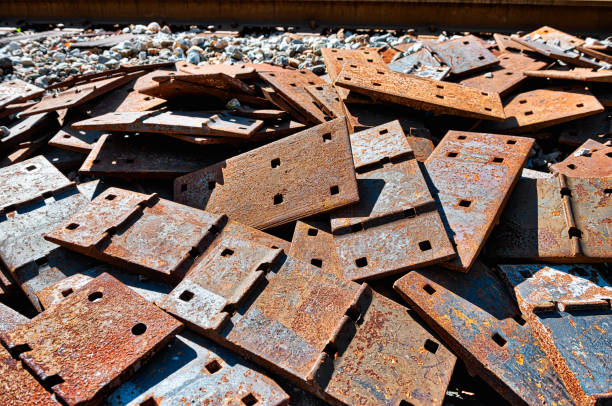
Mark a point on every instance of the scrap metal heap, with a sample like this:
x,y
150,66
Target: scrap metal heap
x,y
249,234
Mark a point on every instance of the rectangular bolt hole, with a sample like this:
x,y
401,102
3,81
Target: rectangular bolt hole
x,y
67,292
30,168
334,190
425,245
571,166
249,400
440,86
452,154
498,160
499,340
361,262
275,162
211,185
522,101
326,137
316,262
480,58
439,96
528,113
313,231
186,296
278,198
461,137
580,105
519,319
72,226
431,346
227,252
465,203
383,131
487,108
110,197
184,187
376,83
511,142
574,232
149,402
430,290
213,366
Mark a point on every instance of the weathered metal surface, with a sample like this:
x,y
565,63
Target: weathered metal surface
x,y
425,94
541,108
138,156
362,116
579,74
380,145
18,91
24,151
63,159
552,51
597,127
194,370
531,174
478,319
15,108
286,183
82,141
200,123
312,244
593,53
275,98
10,319
275,129
327,98
463,55
263,114
472,176
590,160
506,76
123,99
27,129
335,59
556,219
79,94
234,70
216,80
139,232
421,63
569,309
394,227
105,331
555,37
506,44
291,86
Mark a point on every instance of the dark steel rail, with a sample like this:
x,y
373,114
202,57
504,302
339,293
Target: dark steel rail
x,y
479,15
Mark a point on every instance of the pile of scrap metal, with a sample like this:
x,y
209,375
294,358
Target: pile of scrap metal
x,y
258,235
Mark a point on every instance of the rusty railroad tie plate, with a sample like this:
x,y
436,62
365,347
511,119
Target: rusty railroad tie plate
x,y
27,128
311,243
105,331
291,86
214,80
195,370
170,122
286,183
327,99
473,175
506,44
597,127
395,225
300,323
82,141
555,37
463,55
590,160
558,219
335,59
121,100
141,156
440,97
506,76
579,74
479,320
79,94
554,52
421,63
18,91
234,70
568,306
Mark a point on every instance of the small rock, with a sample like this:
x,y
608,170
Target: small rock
x,y
153,27
139,29
153,51
488,75
193,57
318,69
166,30
42,81
232,104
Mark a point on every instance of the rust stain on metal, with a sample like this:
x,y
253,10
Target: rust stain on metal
x,y
506,76
285,183
593,53
463,55
91,341
234,70
263,114
25,129
553,36
18,91
579,74
480,321
217,80
440,97
556,219
380,145
312,244
170,122
541,108
421,63
590,160
597,127
506,44
554,52
472,176
124,99
327,99
75,140
10,319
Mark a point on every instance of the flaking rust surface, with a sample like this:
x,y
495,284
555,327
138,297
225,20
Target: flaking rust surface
x,y
312,244
478,319
541,108
82,141
174,122
472,175
463,55
440,97
551,35
122,99
286,183
558,219
18,91
579,74
569,308
385,143
506,76
327,98
10,319
421,63
142,233
291,86
236,70
214,80
22,131
590,160
192,369
105,331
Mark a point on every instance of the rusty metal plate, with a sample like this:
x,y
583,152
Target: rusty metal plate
x,y
531,111
146,81
82,141
361,116
286,184
579,74
10,319
506,76
506,44
327,99
556,219
139,232
138,156
124,99
555,37
198,123
290,85
28,129
24,151
597,127
380,145
593,53
421,63
274,98
472,176
591,160
263,114
275,129
394,227
312,244
480,321
551,51
63,159
106,332
569,308
18,91
79,94
425,94
216,80
463,55
193,369
235,70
